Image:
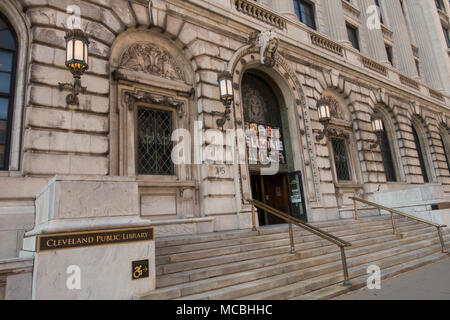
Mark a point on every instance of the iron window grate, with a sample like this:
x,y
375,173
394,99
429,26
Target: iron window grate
x,y
341,159
155,142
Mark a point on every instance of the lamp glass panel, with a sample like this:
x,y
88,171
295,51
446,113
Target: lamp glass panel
x,y
69,50
79,50
229,87
223,87
86,54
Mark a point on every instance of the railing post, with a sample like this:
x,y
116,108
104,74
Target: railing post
x,y
356,210
291,237
254,218
344,267
444,250
394,226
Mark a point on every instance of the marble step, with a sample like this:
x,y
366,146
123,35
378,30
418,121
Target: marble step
x,y
209,272
343,230
237,234
235,257
202,273
178,291
336,290
298,282
335,278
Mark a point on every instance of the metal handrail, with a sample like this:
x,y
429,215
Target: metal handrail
x,y
394,226
291,220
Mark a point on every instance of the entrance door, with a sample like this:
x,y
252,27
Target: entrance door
x,y
268,142
282,192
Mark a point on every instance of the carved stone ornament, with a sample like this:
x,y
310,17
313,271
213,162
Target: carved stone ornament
x,y
148,58
338,133
335,107
142,96
443,119
268,44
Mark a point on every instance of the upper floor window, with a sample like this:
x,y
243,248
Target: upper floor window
x,y
8,52
305,13
447,36
353,36
439,4
377,3
389,54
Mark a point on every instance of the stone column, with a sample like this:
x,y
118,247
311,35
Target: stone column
x,y
285,8
402,42
336,21
426,33
374,37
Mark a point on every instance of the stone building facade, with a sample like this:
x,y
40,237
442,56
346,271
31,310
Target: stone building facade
x,y
167,55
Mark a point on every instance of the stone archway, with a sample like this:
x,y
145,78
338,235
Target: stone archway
x,y
300,127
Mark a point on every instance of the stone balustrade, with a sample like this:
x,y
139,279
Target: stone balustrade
x,y
409,82
374,66
254,10
436,94
326,44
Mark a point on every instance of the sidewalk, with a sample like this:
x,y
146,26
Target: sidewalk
x,y
431,282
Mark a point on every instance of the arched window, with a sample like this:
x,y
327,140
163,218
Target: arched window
x,y
8,53
386,154
419,149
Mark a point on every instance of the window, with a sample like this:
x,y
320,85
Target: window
x,y
445,151
377,3
421,158
340,159
389,53
353,36
386,155
305,13
8,51
155,141
447,36
417,66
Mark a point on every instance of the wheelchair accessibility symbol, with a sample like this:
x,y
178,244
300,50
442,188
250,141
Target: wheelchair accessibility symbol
x,y
140,269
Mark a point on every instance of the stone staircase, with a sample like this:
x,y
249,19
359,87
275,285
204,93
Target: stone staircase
x,y
255,265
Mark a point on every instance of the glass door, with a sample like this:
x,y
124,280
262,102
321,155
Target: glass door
x,y
296,196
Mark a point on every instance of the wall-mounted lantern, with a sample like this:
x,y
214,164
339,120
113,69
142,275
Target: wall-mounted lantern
x,y
77,45
226,96
378,128
323,109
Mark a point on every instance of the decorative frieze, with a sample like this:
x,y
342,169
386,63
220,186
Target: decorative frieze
x,y
254,10
147,58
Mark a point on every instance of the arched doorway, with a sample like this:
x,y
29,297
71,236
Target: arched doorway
x,y
266,125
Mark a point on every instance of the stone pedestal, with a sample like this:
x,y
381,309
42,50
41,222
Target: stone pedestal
x,y
89,241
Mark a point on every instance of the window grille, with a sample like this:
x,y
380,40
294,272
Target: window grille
x,y
421,159
341,159
155,142
386,155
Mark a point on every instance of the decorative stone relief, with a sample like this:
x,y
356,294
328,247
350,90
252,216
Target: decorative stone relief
x,y
148,58
143,96
268,45
335,107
